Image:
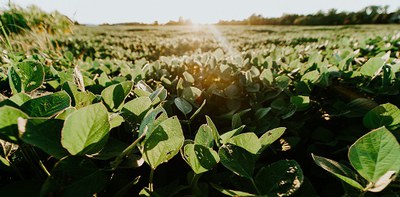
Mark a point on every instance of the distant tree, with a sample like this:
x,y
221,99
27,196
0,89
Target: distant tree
x,y
369,15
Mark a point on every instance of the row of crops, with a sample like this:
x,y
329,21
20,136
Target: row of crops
x,y
201,111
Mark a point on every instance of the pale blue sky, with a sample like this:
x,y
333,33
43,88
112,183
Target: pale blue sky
x,y
200,11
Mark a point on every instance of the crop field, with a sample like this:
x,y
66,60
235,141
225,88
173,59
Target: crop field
x,y
200,110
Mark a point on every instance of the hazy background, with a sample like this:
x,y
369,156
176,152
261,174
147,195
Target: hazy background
x,y
199,11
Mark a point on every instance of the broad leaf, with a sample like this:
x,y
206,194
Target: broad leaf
x,y
20,98
114,96
214,130
387,115
270,137
301,102
26,76
151,120
227,135
74,177
281,178
372,67
135,110
183,106
191,94
86,130
9,123
46,135
339,170
282,82
78,99
204,136
237,160
48,105
163,143
375,154
248,141
200,158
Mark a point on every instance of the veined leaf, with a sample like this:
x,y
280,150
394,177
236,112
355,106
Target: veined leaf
x,y
375,154
86,130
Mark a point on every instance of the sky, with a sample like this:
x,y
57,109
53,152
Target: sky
x,y
199,11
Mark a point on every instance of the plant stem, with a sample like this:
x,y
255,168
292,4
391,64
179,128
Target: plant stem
x,y
195,179
28,156
151,180
255,186
126,152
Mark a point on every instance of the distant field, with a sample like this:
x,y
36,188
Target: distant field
x,y
201,110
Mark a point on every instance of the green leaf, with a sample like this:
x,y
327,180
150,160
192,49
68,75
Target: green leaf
x,y
48,105
282,82
339,170
248,141
183,106
204,136
46,135
200,158
301,102
163,143
63,115
191,94
375,154
270,137
135,110
310,77
9,123
198,110
232,91
115,120
112,149
359,107
188,77
78,99
114,96
214,130
281,178
20,98
267,77
237,160
227,135
261,113
74,177
387,115
26,76
372,67
151,120
86,130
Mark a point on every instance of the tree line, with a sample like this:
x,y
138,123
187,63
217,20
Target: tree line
x,y
368,15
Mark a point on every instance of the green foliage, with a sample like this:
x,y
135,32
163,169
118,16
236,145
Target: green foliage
x,y
86,130
163,143
114,96
374,156
238,160
48,105
26,76
96,111
9,123
74,176
282,178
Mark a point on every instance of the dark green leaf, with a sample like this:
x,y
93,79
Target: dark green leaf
x,y
74,177
48,105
